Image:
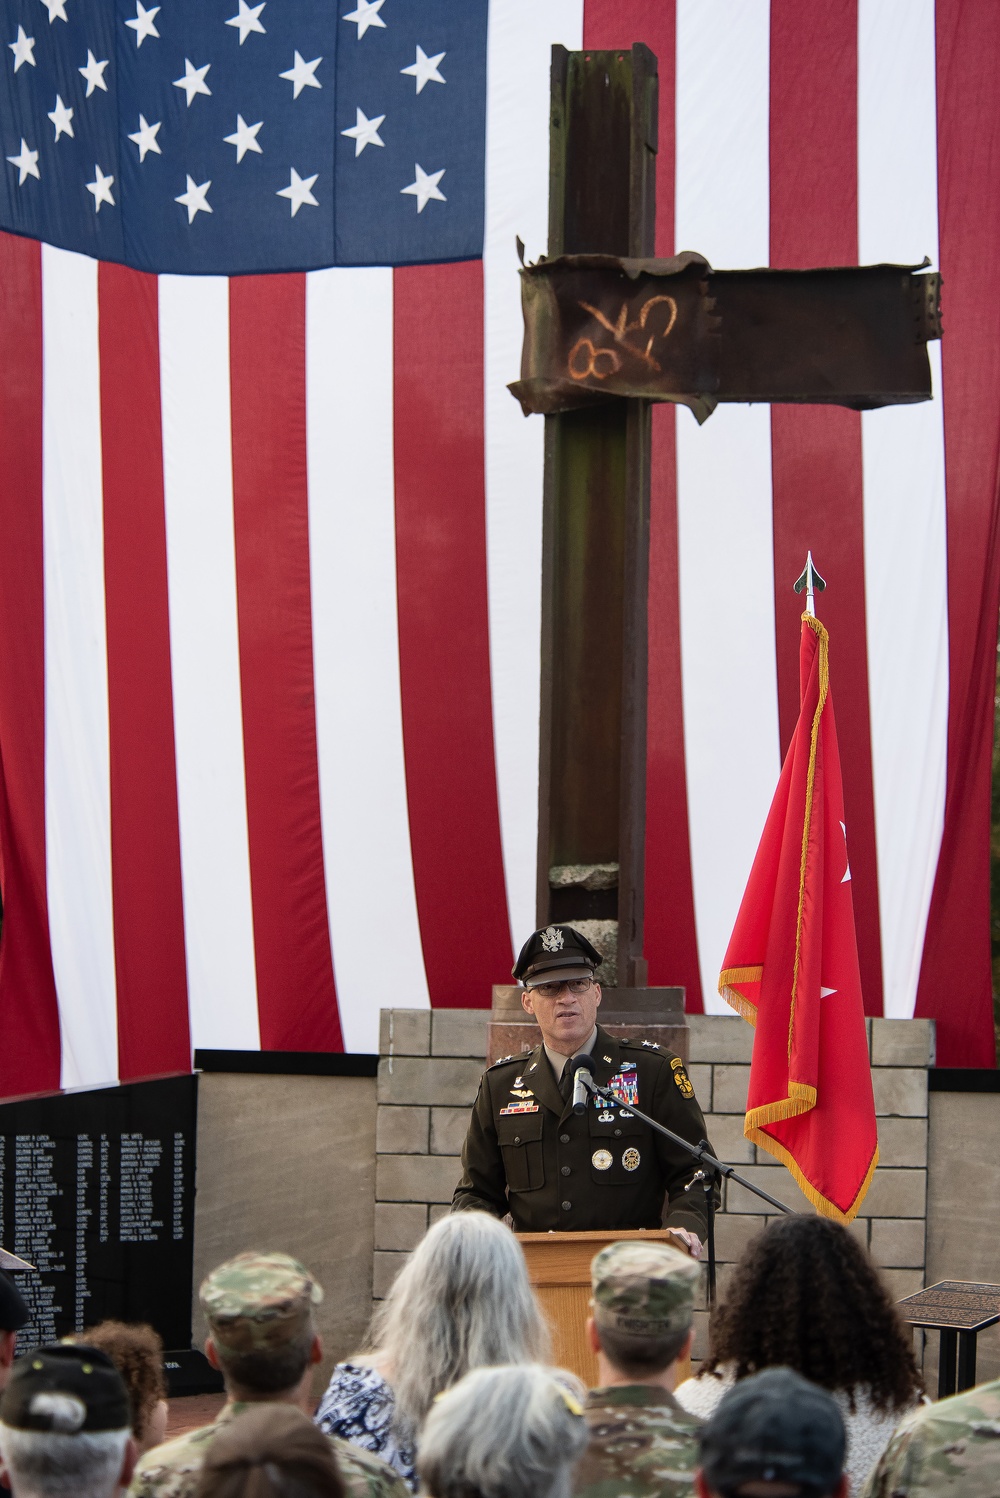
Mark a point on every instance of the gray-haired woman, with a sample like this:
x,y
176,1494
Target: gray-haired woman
x,y
504,1433
461,1301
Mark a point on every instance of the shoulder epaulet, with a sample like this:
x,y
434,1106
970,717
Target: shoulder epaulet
x,y
505,1059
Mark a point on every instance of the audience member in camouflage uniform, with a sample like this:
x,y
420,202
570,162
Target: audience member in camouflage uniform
x,y
642,1444
259,1308
951,1447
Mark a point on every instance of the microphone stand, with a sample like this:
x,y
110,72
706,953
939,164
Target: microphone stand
x,y
708,1172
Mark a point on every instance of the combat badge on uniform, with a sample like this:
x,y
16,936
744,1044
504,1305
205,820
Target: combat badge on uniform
x,y
601,1160
631,1159
681,1077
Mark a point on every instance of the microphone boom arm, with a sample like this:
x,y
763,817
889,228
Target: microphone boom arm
x,y
709,1168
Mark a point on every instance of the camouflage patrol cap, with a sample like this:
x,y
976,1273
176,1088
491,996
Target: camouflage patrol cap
x,y
258,1300
646,1289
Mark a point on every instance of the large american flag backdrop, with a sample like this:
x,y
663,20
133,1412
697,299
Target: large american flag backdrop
x,y
270,543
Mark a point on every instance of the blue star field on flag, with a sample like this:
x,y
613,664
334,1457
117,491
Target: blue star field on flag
x,y
216,137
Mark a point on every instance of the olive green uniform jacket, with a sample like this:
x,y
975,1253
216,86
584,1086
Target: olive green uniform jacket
x,y
529,1154
642,1445
173,1469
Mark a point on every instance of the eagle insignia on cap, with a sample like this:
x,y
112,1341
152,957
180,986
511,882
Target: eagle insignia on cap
x,y
553,939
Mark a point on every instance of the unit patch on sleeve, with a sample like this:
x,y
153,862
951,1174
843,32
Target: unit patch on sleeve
x,y
681,1077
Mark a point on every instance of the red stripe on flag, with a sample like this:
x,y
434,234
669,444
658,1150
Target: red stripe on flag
x,y
296,996
671,942
816,450
444,652
955,978
29,1016
150,966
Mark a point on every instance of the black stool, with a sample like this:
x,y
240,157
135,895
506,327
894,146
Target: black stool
x,y
959,1310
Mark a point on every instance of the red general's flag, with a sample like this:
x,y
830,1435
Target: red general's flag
x,y
791,968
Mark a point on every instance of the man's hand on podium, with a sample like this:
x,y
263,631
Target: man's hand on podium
x,y
691,1239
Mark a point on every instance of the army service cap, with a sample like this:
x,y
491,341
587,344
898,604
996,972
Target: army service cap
x,y
644,1289
69,1390
258,1300
774,1426
13,1311
553,953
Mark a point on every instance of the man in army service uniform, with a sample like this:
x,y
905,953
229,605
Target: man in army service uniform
x,y
259,1308
642,1443
529,1154
952,1447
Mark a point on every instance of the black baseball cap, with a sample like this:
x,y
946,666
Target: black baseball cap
x,y
13,1311
555,952
68,1388
774,1426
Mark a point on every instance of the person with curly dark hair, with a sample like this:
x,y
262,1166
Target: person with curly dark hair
x,y
805,1295
137,1352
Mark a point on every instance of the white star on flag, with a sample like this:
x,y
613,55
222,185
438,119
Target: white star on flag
x,y
247,20
101,188
425,69
62,118
365,132
195,200
55,8
26,163
145,138
425,187
825,993
193,81
142,25
367,14
23,49
244,138
94,73
843,828
300,74
299,191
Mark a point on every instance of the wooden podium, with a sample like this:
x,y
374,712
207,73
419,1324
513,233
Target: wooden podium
x,y
559,1270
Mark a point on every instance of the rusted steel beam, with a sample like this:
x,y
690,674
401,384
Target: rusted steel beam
x,y
599,328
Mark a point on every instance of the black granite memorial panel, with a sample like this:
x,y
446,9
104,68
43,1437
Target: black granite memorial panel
x,y
97,1192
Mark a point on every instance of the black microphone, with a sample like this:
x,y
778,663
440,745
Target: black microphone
x,y
581,1066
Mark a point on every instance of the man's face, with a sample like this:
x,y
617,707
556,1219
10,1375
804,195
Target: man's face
x,y
564,1018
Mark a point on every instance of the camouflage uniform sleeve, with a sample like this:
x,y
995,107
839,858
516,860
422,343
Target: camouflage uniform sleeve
x,y
675,1106
483,1186
366,1475
175,1479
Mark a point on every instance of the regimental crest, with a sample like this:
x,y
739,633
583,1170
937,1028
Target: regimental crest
x,y
553,939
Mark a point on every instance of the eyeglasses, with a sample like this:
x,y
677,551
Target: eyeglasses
x,y
553,990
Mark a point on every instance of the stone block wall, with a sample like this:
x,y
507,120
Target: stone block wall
x,y
429,1069
429,1072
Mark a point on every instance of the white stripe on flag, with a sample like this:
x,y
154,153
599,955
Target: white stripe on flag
x,y
906,577
205,662
521,34
724,481
374,930
77,775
